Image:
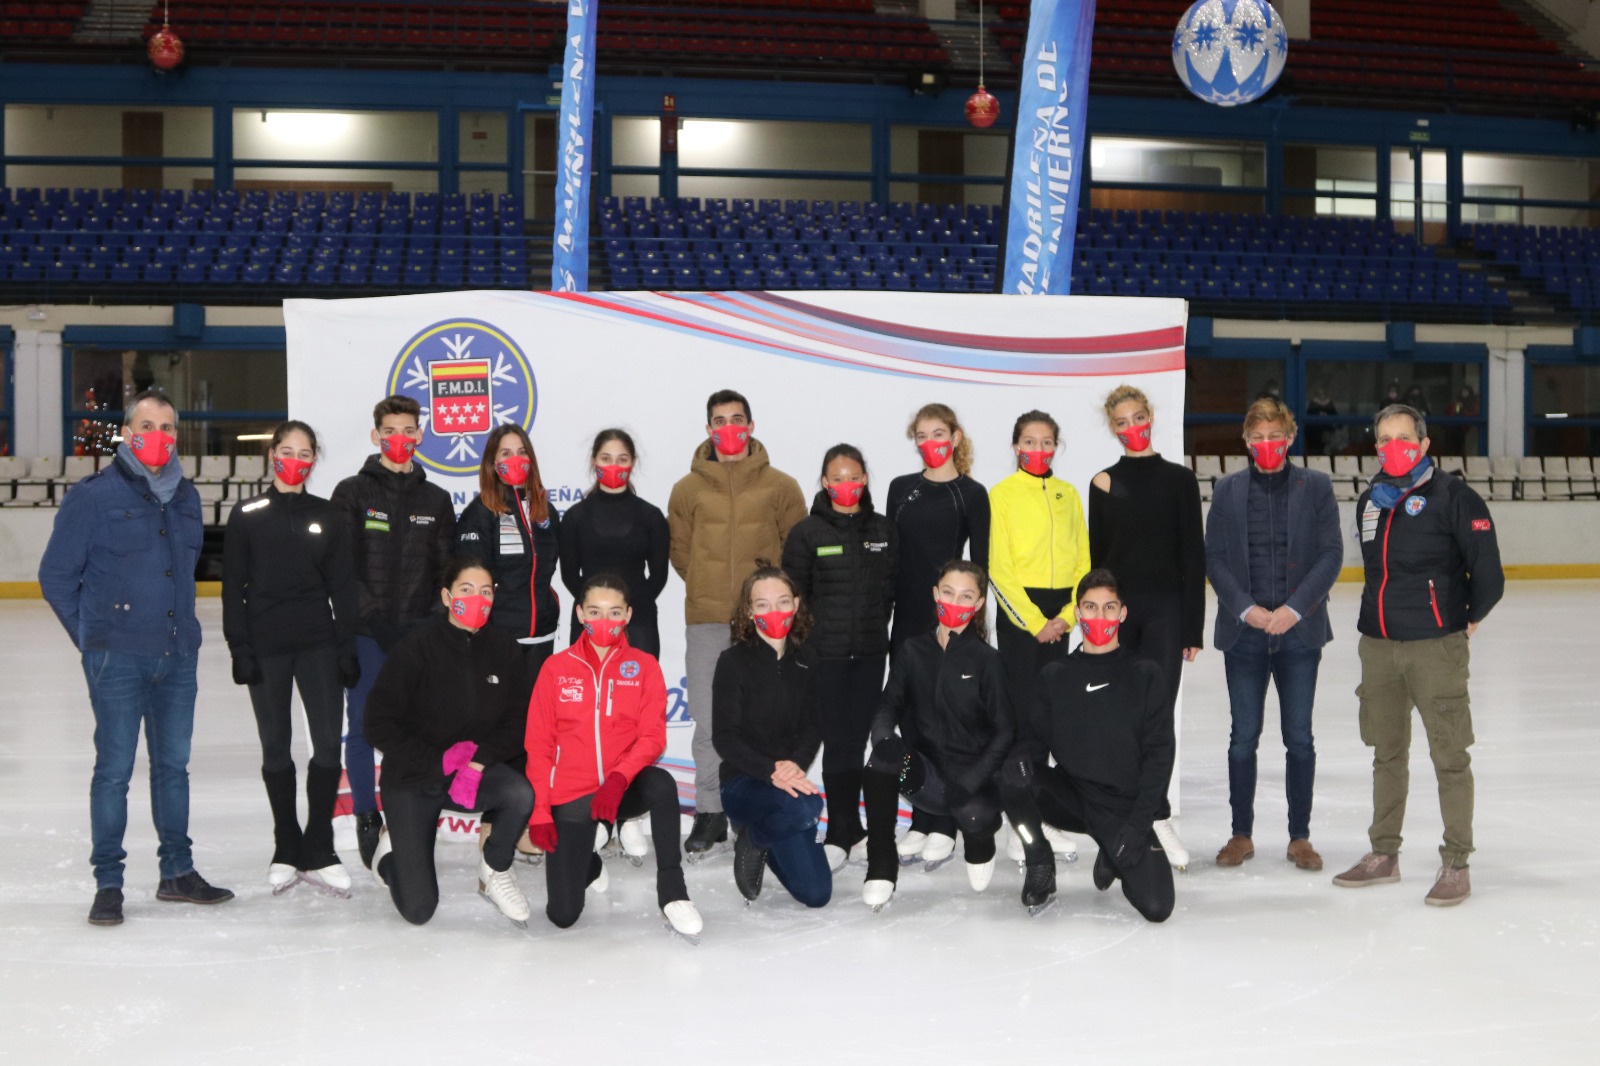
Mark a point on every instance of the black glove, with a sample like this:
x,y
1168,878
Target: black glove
x,y
887,754
246,671
387,633
349,669
956,795
1129,846
1018,773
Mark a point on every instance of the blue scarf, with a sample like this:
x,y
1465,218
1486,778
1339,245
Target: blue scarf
x,y
164,484
1387,491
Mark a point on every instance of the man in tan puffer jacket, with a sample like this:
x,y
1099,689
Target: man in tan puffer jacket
x,y
732,508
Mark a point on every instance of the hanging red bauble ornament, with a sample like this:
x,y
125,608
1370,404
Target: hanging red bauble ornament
x,y
165,49
983,110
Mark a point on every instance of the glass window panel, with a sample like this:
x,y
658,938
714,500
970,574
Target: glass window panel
x,y
1227,386
481,137
472,181
639,185
104,379
77,130
1131,159
1564,392
771,188
765,145
1213,439
1564,440
1402,190
337,179
1361,388
635,141
107,177
336,136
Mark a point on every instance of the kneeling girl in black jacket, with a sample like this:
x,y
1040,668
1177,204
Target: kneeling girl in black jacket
x,y
947,697
844,558
289,613
448,713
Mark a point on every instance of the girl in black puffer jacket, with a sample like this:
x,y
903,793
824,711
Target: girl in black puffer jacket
x,y
844,558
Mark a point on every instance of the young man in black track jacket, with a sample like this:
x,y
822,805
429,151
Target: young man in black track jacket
x,y
1102,714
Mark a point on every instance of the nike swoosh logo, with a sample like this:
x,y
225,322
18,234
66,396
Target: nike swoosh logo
x,y
968,677
1096,688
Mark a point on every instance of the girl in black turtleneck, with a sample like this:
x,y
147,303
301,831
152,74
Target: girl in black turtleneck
x,y
285,560
612,530
844,558
1144,526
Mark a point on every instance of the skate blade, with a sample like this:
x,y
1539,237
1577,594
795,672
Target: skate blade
x,y
327,889
702,856
636,861
286,886
1034,912
530,858
929,867
1064,856
673,934
520,923
910,860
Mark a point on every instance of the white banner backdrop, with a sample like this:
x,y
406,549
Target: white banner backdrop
x,y
818,368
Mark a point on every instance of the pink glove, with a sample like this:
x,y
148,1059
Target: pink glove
x,y
603,804
543,835
458,755
464,787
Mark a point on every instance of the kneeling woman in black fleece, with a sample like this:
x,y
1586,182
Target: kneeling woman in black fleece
x,y
447,712
1102,714
844,558
947,696
764,701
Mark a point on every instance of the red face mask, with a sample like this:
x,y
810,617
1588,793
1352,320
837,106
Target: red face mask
x,y
154,448
471,611
846,493
1035,463
513,470
614,477
604,632
399,448
731,440
1400,457
952,616
1136,438
289,470
1099,631
936,453
775,624
1269,454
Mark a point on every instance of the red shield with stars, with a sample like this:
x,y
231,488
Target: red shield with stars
x,y
460,392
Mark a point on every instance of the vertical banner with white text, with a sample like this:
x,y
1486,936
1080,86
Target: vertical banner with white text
x,y
1050,148
569,271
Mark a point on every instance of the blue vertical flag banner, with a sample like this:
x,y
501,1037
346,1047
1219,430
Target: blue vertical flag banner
x,y
569,271
1051,146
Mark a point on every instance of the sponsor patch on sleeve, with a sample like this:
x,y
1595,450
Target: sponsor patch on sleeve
x,y
1481,525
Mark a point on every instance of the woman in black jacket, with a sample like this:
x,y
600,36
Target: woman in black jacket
x,y
764,701
448,713
1145,527
947,697
612,530
844,558
289,614
511,526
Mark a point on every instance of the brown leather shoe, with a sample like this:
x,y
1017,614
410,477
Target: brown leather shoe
x,y
1374,868
1452,885
1236,851
1303,855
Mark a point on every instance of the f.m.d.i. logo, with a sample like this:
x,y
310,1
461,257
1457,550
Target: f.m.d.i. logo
x,y
469,377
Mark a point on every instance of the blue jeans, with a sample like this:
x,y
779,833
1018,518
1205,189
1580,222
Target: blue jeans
x,y
125,691
358,756
785,827
1292,667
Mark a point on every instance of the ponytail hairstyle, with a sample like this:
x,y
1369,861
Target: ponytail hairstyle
x,y
743,626
601,439
980,621
1029,418
283,430
938,412
609,580
1121,395
493,492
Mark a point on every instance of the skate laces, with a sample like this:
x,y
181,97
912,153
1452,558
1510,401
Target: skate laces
x,y
501,882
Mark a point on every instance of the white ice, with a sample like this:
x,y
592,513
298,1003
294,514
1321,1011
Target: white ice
x,y
1259,963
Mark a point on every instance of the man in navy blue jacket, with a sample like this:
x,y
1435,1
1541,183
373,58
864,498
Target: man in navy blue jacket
x,y
1273,552
119,573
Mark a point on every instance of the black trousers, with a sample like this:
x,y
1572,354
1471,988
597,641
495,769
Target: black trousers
x,y
1154,631
1052,796
315,671
894,771
570,868
1022,653
412,813
848,691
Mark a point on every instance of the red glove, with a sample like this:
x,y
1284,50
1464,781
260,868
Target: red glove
x,y
543,835
464,788
603,804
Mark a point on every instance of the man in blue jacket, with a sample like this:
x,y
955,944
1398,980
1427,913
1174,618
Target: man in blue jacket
x,y
1272,553
119,573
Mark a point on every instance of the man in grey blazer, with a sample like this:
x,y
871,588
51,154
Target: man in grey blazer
x,y
1273,552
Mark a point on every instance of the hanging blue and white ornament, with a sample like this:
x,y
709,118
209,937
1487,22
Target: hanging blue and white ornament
x,y
1230,52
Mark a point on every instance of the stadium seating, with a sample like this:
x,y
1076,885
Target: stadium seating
x,y
1563,261
39,22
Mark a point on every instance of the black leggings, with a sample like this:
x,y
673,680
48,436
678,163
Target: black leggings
x,y
1154,631
412,813
574,864
315,671
1024,656
895,770
1054,797
848,691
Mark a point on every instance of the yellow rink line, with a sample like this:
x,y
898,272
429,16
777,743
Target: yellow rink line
x,y
29,590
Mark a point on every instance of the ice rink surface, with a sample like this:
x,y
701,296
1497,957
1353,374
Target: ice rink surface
x,y
1262,963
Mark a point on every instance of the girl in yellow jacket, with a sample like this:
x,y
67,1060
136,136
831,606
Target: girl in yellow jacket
x,y
1038,549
